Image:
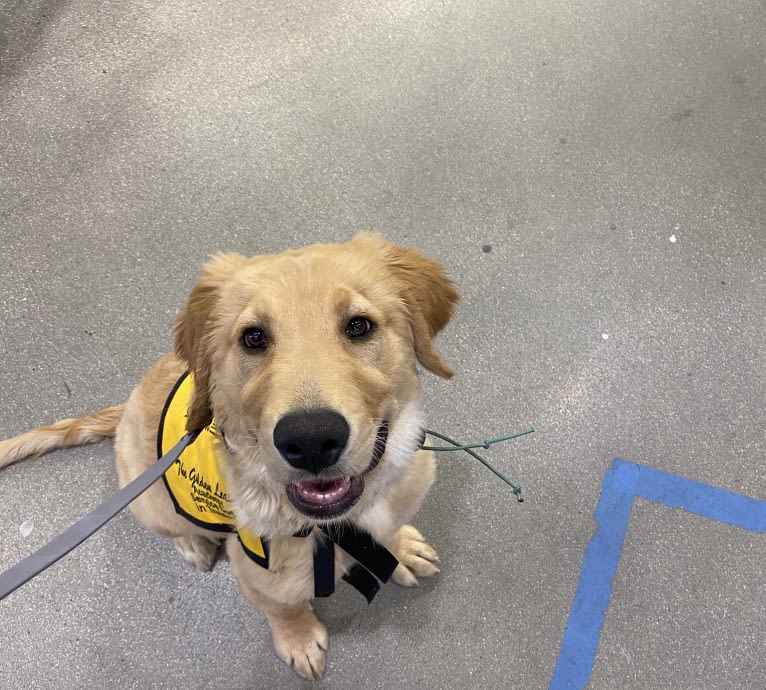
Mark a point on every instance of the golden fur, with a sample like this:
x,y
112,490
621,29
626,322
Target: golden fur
x,y
303,299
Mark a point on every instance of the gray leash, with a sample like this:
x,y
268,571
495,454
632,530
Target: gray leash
x,y
33,565
46,556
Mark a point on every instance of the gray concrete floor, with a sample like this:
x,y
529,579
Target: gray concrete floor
x,y
577,139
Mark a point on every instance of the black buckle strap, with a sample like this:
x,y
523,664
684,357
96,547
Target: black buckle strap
x,y
373,560
324,568
361,580
362,547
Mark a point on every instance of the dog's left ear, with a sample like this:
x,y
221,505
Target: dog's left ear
x,y
430,296
194,327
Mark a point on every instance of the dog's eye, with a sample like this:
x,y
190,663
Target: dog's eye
x,y
358,326
254,339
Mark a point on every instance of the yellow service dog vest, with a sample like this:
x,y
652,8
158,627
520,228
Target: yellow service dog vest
x,y
194,481
198,490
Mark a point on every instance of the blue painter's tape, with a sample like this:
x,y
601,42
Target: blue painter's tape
x,y
623,482
701,499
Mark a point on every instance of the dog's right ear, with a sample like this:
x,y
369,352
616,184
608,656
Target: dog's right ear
x,y
193,332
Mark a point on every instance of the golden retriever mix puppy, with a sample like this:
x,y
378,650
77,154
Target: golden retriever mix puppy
x,y
303,374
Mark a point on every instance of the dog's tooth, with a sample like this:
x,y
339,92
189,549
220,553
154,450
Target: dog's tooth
x,y
324,492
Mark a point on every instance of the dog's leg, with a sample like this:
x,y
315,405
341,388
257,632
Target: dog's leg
x,y
300,640
416,558
200,551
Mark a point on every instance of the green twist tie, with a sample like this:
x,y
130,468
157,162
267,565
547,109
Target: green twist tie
x,y
484,444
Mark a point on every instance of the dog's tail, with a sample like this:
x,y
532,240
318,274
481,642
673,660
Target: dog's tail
x,y
63,434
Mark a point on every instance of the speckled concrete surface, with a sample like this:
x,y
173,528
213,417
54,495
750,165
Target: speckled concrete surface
x,y
612,155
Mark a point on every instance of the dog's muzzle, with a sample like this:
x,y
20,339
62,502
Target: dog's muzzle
x,y
314,442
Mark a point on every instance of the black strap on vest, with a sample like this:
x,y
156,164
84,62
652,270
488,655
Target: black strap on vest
x,y
324,568
373,560
363,582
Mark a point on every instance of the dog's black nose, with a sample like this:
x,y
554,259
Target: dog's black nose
x,y
311,440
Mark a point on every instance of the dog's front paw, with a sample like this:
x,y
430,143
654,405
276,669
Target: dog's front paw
x,y
301,642
416,558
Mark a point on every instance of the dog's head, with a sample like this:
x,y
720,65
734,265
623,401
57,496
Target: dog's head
x,y
307,361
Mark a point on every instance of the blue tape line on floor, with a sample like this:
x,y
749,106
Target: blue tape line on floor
x,y
623,482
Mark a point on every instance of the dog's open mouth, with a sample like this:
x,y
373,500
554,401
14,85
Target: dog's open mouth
x,y
325,499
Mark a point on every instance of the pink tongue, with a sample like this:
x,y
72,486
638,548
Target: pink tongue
x,y
323,493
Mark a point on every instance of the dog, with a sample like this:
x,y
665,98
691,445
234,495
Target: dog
x,y
302,369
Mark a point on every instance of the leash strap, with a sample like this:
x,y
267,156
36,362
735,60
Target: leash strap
x,y
68,540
